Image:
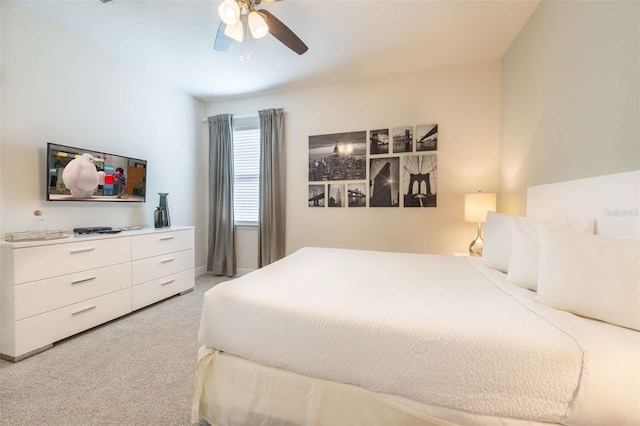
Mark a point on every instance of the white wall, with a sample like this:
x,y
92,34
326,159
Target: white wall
x,y
570,97
246,239
58,88
464,101
1,89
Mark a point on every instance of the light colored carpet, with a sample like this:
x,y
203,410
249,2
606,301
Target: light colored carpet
x,y
136,370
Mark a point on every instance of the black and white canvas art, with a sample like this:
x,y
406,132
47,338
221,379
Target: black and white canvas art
x,y
338,156
427,137
356,194
317,195
384,176
379,141
402,139
336,195
419,180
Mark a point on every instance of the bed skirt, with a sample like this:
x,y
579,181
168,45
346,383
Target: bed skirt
x,y
235,391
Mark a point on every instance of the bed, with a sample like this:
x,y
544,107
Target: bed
x,y
395,338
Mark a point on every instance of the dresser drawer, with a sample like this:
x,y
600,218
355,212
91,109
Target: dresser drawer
x,y
155,267
157,243
36,263
41,296
40,330
153,291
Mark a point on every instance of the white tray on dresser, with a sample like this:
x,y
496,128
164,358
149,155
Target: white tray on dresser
x,y
52,289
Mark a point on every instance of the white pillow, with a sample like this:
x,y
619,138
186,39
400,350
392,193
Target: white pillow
x,y
590,275
525,249
523,262
497,241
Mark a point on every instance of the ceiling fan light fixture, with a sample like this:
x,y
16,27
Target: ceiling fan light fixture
x,y
257,25
235,32
229,12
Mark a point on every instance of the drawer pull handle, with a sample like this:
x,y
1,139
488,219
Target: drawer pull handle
x,y
82,250
88,308
168,260
84,280
167,282
167,238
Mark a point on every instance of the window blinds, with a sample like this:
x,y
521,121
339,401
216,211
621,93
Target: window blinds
x,y
246,169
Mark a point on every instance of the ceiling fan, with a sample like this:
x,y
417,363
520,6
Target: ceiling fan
x,y
260,22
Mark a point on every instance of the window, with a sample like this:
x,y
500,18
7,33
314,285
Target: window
x,y
246,170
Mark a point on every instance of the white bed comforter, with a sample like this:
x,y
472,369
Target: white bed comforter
x,y
435,329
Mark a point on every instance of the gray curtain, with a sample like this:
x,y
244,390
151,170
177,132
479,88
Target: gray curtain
x,y
221,254
271,219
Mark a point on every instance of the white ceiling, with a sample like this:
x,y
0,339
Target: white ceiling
x,y
348,39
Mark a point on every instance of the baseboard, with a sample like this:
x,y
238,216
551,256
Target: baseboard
x,y
243,271
200,270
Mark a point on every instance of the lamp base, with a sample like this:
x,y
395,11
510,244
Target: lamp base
x,y
476,246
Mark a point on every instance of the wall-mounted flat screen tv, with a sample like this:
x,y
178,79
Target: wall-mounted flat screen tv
x,y
78,174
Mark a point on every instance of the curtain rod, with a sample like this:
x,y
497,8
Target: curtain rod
x,y
204,120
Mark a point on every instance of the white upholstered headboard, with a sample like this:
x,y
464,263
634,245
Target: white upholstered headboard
x,y
612,200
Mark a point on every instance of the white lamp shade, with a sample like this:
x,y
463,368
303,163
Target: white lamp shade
x,y
235,32
229,12
477,205
257,25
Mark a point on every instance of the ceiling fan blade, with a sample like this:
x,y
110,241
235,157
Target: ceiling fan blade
x,y
283,33
222,42
255,3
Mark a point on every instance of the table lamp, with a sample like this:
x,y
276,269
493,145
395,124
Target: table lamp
x,y
476,207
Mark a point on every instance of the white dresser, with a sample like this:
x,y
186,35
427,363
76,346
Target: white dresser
x,y
51,290
162,266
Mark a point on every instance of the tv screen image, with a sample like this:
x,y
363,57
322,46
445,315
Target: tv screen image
x,y
78,174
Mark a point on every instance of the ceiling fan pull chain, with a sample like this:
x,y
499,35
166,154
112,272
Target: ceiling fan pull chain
x,y
247,48
244,46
